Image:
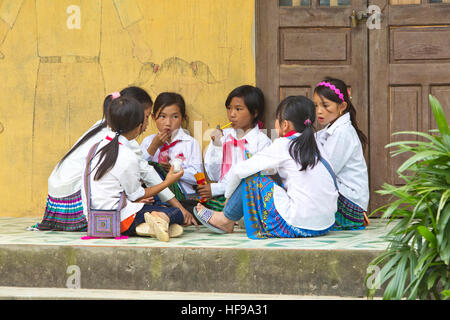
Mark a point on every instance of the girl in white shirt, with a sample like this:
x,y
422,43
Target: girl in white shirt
x,y
173,142
245,107
115,170
64,211
303,206
344,144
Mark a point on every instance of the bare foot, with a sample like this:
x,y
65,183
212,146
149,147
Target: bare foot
x,y
219,220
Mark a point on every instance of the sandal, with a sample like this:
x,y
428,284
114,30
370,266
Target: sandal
x,y
203,216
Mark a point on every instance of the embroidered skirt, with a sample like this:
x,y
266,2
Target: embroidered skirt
x,y
262,219
176,188
64,214
349,215
216,203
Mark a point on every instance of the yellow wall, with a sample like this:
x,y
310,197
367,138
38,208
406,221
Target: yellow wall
x,y
58,59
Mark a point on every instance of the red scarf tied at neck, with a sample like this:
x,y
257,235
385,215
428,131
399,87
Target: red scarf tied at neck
x,y
164,152
227,160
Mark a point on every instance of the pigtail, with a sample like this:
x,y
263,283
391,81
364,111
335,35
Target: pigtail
x,y
304,149
107,157
362,137
302,113
124,114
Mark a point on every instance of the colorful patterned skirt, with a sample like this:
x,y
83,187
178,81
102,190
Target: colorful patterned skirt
x,y
262,219
349,215
64,214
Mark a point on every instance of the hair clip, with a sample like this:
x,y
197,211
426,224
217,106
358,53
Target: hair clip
x,y
115,95
332,87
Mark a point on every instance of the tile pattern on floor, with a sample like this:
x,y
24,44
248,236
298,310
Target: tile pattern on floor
x,y
13,231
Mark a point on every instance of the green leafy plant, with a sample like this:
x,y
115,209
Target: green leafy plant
x,y
415,264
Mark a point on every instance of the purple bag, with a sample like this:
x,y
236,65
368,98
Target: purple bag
x,y
101,223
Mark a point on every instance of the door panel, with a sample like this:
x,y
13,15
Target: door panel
x,y
409,58
301,42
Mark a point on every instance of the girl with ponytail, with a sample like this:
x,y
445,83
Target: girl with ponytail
x,y
115,170
344,144
64,210
305,202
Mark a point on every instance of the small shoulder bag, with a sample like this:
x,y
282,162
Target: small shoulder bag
x,y
101,223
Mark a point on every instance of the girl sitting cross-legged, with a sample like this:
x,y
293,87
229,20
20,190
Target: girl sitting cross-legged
x,y
115,170
305,203
344,144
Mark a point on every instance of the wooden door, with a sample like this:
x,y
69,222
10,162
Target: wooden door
x,y
299,42
409,58
391,67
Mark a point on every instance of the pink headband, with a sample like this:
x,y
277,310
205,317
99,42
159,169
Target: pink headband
x,y
332,87
115,95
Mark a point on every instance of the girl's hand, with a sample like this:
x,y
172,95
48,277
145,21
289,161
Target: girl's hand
x,y
159,140
216,135
189,218
172,177
148,200
204,190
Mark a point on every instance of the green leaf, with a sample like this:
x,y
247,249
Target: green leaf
x,y
432,279
439,115
445,294
428,235
416,158
442,202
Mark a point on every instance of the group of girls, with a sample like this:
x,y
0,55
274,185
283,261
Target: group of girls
x,y
302,184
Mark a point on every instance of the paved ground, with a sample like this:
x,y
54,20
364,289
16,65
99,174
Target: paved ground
x,y
13,231
22,293
198,265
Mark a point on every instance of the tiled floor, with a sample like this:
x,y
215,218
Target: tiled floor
x,y
13,231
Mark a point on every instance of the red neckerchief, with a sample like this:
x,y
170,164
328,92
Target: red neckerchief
x,y
110,139
290,133
164,151
168,146
227,159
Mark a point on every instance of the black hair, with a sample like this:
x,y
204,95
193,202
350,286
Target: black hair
x,y
135,92
302,113
124,115
165,99
331,95
253,99
139,94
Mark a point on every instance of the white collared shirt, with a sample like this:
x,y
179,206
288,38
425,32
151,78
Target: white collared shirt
x,y
309,197
256,141
123,177
188,149
343,147
65,179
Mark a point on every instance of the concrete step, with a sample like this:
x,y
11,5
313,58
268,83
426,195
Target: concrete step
x,y
330,266
22,293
